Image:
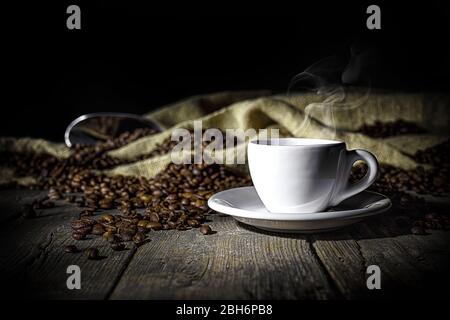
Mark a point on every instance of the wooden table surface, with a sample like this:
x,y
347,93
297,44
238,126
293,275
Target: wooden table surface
x,y
237,262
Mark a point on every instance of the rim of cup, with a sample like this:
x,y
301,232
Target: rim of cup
x,y
296,142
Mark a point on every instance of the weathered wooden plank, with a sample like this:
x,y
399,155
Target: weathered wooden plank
x,y
407,262
431,254
12,202
235,263
22,239
33,264
47,274
238,262
341,257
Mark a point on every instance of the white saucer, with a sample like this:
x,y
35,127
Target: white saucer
x,y
244,205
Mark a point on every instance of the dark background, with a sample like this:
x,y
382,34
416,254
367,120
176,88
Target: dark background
x,y
131,58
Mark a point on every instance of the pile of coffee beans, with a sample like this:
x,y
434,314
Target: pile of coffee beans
x,y
432,181
398,184
438,156
48,168
95,157
387,129
174,199
432,221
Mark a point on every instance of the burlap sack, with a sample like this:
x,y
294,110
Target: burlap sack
x,y
297,115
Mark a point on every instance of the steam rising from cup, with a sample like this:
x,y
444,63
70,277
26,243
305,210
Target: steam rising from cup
x,y
329,80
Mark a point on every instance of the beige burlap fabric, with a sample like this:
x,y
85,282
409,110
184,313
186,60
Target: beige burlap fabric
x,y
297,115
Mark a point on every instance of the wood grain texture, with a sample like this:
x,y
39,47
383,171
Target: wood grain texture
x,y
236,262
12,202
33,263
411,266
343,261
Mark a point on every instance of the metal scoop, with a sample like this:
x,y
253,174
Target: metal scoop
x,y
92,128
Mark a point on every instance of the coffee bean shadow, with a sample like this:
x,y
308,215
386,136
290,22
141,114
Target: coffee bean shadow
x,y
386,225
99,258
138,245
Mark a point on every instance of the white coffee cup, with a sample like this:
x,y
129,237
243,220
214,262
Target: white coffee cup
x,y
295,175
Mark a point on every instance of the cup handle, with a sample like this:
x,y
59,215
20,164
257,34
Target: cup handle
x,y
348,189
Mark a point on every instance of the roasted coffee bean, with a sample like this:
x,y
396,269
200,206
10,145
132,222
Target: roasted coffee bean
x,y
154,225
198,217
183,218
130,227
98,230
108,218
126,206
154,217
82,226
205,229
92,253
418,230
193,223
142,229
172,224
138,203
171,197
109,227
113,238
105,204
82,223
120,224
70,248
131,218
127,234
85,230
54,194
139,238
78,236
146,198
157,193
70,199
108,236
142,223
118,246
